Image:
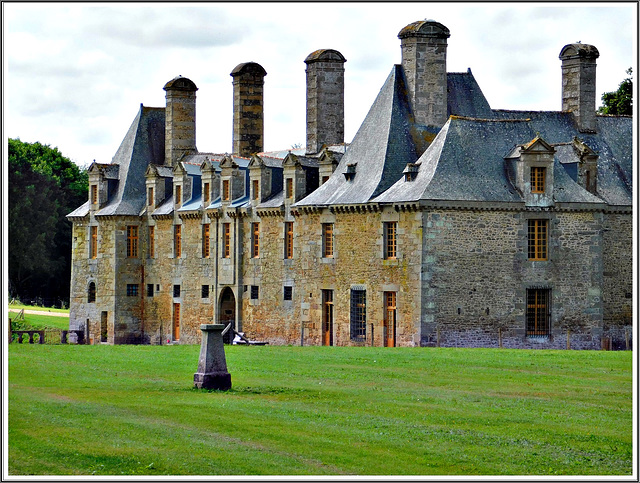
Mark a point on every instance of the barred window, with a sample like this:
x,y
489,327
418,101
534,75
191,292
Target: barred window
x,y
177,240
205,292
327,240
132,290
288,239
358,314
152,241
538,239
390,238
132,241
93,244
288,293
226,240
206,250
255,240
538,312
537,179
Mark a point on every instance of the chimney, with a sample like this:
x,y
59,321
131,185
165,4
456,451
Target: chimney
x,y
248,106
579,84
180,119
424,60
325,99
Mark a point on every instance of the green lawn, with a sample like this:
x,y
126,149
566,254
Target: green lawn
x,y
132,410
35,307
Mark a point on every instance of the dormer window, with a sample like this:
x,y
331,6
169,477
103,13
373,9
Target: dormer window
x,y
350,173
94,194
178,199
537,179
207,190
289,188
150,196
410,172
225,190
256,189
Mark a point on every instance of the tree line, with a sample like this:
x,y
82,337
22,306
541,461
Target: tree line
x,y
43,187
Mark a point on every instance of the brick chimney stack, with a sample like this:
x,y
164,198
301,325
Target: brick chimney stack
x,y
325,99
180,119
579,84
248,108
424,60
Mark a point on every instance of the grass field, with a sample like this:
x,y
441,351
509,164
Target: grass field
x,y
132,410
35,307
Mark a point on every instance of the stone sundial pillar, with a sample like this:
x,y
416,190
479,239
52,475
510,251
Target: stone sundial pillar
x,y
212,364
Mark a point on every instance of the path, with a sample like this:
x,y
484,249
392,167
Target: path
x,y
38,312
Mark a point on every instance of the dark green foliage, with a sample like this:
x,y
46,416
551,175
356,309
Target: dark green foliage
x,y
44,186
619,102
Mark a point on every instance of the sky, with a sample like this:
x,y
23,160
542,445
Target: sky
x,y
75,74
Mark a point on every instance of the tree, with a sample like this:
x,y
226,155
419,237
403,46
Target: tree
x,y
620,101
44,187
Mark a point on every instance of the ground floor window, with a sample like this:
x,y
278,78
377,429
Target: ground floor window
x,y
538,311
358,314
176,321
389,323
132,290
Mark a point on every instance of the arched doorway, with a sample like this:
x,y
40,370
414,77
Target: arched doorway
x,y
227,312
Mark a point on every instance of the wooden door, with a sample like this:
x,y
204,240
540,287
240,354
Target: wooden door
x,y
176,321
389,327
327,317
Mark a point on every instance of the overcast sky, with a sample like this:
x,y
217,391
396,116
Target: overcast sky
x,y
76,74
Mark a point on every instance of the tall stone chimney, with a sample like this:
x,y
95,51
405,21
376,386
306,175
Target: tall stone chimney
x,y
325,99
424,60
180,119
248,107
579,83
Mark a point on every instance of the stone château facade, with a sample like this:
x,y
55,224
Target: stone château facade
x,y
444,221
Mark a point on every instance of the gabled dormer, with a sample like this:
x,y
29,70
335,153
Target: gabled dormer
x,y
231,180
182,185
327,164
159,182
531,168
103,182
265,178
587,166
210,183
300,175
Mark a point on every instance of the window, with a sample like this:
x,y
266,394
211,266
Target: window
x,y
93,243
288,239
204,293
226,240
327,317
91,296
254,292
538,312
390,240
358,314
149,290
225,189
132,290
288,293
289,188
327,240
150,196
94,194
255,240
206,250
177,240
537,179
132,241
178,199
104,331
256,189
206,193
176,290
176,321
538,239
152,241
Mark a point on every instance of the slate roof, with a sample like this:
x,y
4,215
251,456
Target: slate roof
x,y
380,149
464,96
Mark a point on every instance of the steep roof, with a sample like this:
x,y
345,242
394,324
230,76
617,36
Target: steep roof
x,y
143,144
380,149
464,96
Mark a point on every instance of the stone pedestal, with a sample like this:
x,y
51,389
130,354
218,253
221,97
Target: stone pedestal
x,y
212,365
